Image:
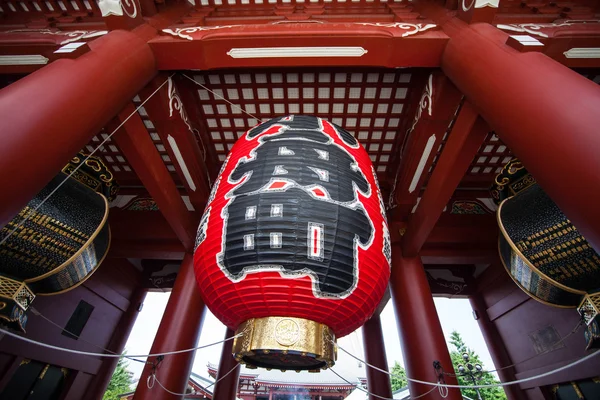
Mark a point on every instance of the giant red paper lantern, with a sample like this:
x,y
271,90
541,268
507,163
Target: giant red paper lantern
x,y
293,248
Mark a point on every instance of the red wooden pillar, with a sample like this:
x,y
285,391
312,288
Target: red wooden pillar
x,y
48,116
117,344
546,113
495,345
179,329
226,389
419,326
378,382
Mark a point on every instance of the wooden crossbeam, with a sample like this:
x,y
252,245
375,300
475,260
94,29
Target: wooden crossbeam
x,y
437,107
465,139
138,148
168,114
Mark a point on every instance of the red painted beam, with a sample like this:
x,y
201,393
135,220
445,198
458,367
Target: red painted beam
x,y
161,250
139,150
459,254
459,229
463,142
139,225
381,46
437,107
169,116
189,96
143,234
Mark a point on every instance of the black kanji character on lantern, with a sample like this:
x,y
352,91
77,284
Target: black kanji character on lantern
x,y
305,158
296,211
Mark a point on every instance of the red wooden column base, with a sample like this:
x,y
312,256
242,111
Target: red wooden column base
x,y
179,329
378,382
226,389
419,327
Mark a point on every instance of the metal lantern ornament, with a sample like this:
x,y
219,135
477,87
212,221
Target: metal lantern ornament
x,y
58,240
542,250
293,249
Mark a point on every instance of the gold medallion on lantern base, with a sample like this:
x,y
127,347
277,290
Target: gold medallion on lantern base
x,y
285,343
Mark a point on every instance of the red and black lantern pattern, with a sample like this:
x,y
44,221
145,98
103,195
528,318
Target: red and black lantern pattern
x,y
295,226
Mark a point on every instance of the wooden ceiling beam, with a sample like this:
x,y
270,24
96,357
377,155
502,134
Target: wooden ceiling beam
x,y
139,150
437,107
148,235
205,48
456,255
168,114
464,140
139,225
147,250
464,229
452,229
189,97
565,42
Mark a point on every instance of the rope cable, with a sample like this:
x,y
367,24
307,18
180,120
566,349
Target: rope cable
x,y
376,395
155,379
552,348
552,372
87,353
39,314
436,384
577,327
222,98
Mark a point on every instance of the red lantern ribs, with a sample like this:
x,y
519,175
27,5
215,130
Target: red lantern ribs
x,y
293,248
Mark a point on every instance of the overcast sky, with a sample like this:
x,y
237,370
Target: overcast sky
x,y
455,314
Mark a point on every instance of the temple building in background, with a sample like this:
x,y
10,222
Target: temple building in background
x,y
295,165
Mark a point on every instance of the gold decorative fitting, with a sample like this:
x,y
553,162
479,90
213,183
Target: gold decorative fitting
x,y
17,291
285,343
512,179
92,172
589,307
43,373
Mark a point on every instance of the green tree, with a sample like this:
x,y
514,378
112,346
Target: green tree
x,y
398,377
119,383
495,393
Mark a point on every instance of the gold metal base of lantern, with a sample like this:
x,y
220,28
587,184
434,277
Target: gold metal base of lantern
x,y
285,343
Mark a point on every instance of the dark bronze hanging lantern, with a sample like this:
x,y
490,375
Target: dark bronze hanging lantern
x,y
61,241
543,251
293,248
